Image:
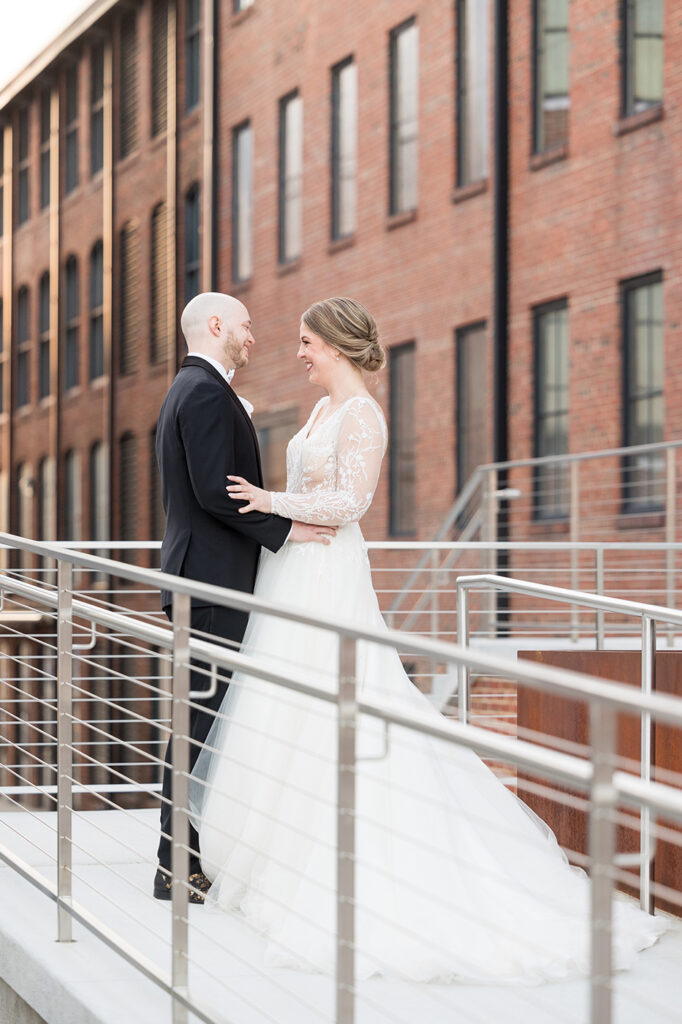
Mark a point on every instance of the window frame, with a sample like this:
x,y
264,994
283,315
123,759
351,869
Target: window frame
x,y
96,109
629,37
45,135
555,509
240,196
192,97
71,111
72,324
396,144
44,383
96,312
22,388
288,204
539,96
192,220
23,165
395,457
337,157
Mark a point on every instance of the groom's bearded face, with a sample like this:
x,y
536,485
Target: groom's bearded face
x,y
237,341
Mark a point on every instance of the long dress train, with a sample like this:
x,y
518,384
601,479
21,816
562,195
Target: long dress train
x,y
456,878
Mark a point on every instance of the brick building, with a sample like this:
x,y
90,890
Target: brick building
x,y
496,182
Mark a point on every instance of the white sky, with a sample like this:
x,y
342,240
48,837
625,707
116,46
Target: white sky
x,y
28,26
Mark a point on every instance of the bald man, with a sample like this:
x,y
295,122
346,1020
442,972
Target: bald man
x,y
203,435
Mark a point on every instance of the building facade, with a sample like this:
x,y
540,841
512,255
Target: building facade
x,y
497,183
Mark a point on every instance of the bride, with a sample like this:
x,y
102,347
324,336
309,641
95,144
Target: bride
x,y
455,877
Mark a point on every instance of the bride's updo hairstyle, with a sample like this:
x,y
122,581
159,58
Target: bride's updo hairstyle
x,y
349,328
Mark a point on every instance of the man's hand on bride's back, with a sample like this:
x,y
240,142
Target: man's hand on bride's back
x,y
303,532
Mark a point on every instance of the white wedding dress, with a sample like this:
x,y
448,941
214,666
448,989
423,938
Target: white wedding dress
x,y
456,878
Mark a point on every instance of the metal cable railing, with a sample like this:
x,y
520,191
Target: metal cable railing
x,y
348,710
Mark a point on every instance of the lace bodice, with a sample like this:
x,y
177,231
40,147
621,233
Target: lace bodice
x,y
332,473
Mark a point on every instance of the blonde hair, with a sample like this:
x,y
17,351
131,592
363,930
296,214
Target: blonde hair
x,y
349,328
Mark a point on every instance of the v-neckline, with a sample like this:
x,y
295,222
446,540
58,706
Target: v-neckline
x,y
317,423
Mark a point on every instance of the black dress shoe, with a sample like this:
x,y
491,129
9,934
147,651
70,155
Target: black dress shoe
x,y
163,885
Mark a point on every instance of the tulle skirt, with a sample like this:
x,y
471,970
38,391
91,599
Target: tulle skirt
x,y
456,879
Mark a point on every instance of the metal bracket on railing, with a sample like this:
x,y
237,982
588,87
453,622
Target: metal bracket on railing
x,y
93,640
387,745
212,689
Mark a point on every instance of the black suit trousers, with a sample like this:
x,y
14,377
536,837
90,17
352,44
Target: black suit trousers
x,y
228,624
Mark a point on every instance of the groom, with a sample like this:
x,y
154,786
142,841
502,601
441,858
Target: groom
x,y
203,435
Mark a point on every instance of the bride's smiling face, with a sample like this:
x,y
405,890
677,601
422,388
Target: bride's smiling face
x,y
321,360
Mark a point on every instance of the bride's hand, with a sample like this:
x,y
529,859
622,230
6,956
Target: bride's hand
x,y
241,490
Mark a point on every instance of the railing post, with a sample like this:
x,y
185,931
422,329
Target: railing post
x,y
602,843
574,534
599,582
180,792
670,498
490,535
462,641
345,859
64,750
646,899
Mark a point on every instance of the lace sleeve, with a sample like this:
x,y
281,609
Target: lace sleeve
x,y
360,450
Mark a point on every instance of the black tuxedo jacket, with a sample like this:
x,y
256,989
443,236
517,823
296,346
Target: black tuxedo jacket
x,y
204,433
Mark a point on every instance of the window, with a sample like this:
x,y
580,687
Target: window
x,y
551,408
402,465
473,408
128,86
128,298
159,66
98,479
72,496
192,259
23,348
551,96
275,430
71,173
157,516
242,202
2,181
24,484
404,117
473,17
72,323
128,485
96,109
96,311
44,336
45,126
192,52
22,168
158,332
344,147
644,473
2,354
46,498
643,55
290,176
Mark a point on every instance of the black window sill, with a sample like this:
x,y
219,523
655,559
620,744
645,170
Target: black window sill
x,y
631,122
645,520
461,193
549,157
396,220
339,244
551,525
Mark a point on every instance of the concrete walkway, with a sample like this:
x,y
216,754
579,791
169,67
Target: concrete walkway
x,y
86,982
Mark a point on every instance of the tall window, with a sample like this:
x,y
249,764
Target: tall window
x,y
45,124
129,298
275,429
403,519
128,86
551,407
2,181
72,496
72,323
158,286
404,64
2,354
128,486
71,172
23,207
157,517
551,96
96,311
159,66
96,108
473,17
24,484
44,336
192,52
46,498
98,479
643,56
242,202
643,483
290,177
192,252
23,348
473,407
344,147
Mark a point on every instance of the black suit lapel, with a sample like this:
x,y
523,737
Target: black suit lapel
x,y
191,360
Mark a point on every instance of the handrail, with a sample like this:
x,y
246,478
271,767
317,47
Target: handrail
x,y
649,614
604,453
606,787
